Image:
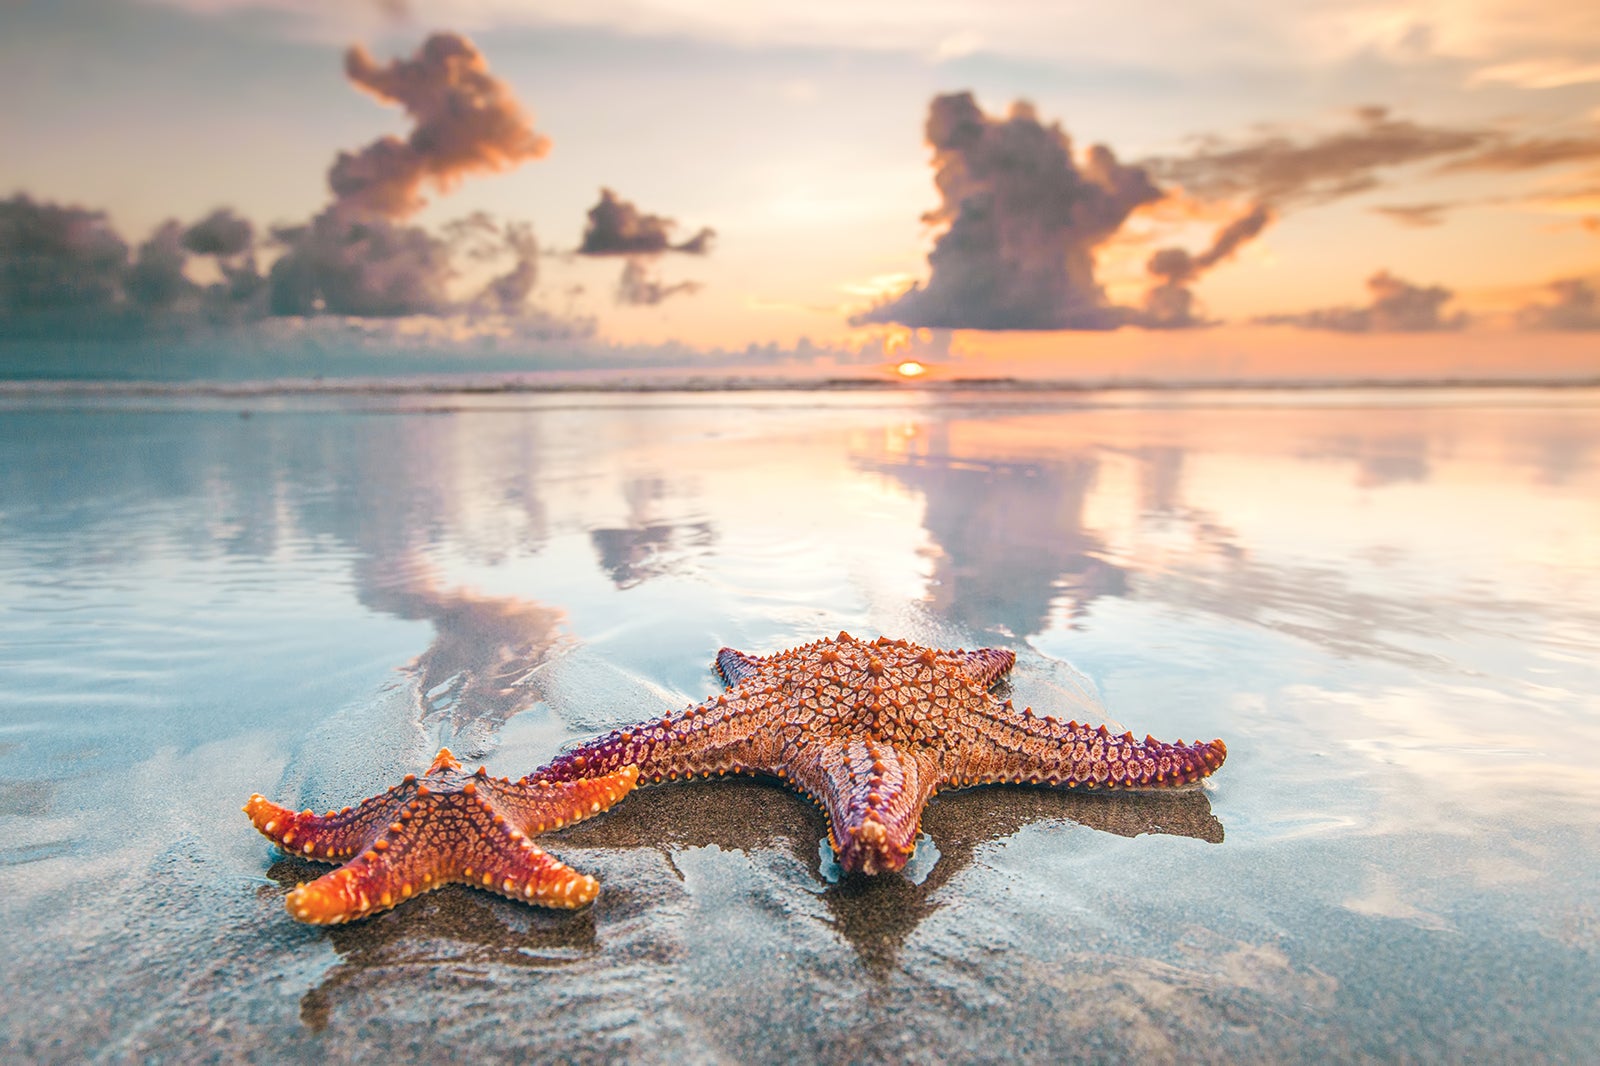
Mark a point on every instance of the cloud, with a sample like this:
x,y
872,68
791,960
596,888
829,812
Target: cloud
x,y
55,258
508,293
366,268
466,122
638,287
1022,219
156,279
1508,154
1169,304
356,258
221,233
617,227
1397,306
1576,307
1281,170
1420,216
1546,73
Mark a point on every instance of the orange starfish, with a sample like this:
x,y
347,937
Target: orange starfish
x,y
448,827
871,731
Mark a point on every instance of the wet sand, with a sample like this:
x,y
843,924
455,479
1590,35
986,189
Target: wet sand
x,y
1387,611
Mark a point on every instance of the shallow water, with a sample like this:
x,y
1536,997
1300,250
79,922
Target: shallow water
x,y
1387,603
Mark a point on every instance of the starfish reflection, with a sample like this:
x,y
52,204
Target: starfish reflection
x,y
453,928
877,914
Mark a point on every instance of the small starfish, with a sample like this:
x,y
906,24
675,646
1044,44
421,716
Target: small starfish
x,y
871,731
449,827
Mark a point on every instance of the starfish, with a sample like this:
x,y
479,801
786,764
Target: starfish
x,y
871,730
448,827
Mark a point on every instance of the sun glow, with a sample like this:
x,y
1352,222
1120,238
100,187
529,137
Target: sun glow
x,y
910,369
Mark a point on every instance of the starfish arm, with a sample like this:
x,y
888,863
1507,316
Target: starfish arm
x,y
984,666
331,837
522,870
735,667
723,735
367,884
534,807
1022,747
873,797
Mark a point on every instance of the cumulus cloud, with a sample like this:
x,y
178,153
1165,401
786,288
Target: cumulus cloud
x,y
1169,303
1576,306
1280,169
221,233
156,279
367,268
230,240
1397,306
617,227
1023,218
57,258
357,257
466,122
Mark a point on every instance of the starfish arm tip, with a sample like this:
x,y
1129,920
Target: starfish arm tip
x,y
269,819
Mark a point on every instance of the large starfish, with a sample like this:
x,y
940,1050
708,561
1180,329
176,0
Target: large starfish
x,y
871,730
449,826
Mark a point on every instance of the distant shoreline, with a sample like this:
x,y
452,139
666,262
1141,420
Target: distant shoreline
x,y
558,383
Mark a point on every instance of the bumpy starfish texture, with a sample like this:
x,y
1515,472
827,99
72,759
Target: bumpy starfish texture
x,y
447,827
871,730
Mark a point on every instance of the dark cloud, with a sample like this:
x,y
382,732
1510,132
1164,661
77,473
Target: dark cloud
x,y
65,272
1576,307
366,268
466,122
1169,304
156,279
231,241
1281,170
617,227
1419,216
1397,306
1023,219
221,233
639,287
57,259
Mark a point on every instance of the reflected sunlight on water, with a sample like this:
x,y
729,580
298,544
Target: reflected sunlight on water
x,y
1388,605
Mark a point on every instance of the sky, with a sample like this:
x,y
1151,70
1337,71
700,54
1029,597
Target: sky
x,y
1218,189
